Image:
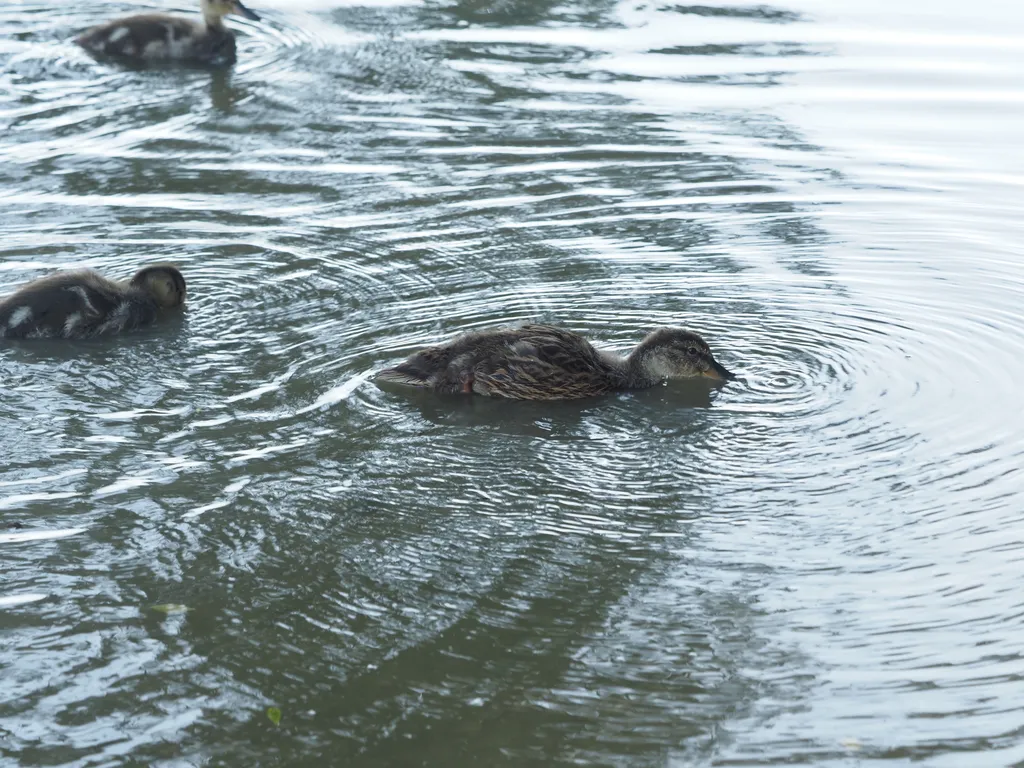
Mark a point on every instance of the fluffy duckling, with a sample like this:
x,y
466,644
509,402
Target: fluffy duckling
x,y
157,37
542,362
82,303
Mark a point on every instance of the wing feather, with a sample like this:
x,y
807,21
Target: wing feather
x,y
532,362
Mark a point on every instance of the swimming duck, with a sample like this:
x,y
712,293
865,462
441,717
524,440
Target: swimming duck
x,y
82,303
543,362
157,37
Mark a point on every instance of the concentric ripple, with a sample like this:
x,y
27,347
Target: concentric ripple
x,y
222,516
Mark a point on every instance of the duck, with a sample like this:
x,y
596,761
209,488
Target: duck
x,y
545,362
157,37
79,304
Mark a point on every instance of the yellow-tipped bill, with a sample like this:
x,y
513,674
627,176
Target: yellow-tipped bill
x,y
718,371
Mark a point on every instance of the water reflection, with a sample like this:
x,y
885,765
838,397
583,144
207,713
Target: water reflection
x,y
551,419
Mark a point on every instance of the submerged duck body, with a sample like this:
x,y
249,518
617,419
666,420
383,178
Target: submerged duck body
x,y
82,304
543,362
157,37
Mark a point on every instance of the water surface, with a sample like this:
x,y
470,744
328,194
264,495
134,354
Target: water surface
x,y
815,565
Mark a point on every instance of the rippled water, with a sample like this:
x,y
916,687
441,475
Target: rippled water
x,y
818,564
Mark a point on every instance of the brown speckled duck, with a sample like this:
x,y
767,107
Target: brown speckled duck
x,y
80,304
542,362
157,37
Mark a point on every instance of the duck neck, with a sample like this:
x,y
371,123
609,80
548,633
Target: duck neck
x,y
214,21
634,370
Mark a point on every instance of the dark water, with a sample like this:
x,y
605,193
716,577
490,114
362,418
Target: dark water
x,y
817,565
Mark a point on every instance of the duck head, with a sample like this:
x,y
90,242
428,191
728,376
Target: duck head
x,y
676,353
215,10
163,283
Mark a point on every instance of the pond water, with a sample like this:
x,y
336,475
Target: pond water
x,y
817,564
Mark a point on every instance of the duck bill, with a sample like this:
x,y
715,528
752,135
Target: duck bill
x,y
718,372
241,10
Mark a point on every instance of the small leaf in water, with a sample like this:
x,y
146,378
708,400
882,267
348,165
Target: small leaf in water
x,y
171,608
274,714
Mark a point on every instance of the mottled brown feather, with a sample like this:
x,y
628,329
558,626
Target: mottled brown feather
x,y
543,362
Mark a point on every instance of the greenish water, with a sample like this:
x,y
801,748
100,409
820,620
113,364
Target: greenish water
x,y
818,564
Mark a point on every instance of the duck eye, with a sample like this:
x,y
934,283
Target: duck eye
x,y
692,351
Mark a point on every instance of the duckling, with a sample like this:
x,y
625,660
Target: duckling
x,y
157,37
82,303
542,362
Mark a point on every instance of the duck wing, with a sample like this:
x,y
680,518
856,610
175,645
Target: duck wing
x,y
542,363
64,304
533,362
446,367
145,36
442,367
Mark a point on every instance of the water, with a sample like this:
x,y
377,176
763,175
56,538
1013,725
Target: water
x,y
816,565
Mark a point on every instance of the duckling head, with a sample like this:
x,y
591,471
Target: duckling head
x,y
675,353
163,283
215,10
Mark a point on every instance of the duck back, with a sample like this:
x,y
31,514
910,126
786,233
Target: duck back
x,y
154,37
534,362
77,304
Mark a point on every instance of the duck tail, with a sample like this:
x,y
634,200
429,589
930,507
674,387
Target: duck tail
x,y
404,374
